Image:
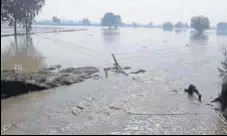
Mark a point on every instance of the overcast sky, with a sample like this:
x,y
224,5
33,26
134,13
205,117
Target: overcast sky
x,y
140,11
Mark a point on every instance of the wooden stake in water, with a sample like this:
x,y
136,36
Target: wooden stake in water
x,y
118,67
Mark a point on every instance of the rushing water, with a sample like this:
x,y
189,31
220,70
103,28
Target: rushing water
x,y
119,104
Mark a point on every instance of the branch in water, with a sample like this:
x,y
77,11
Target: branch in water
x,y
163,114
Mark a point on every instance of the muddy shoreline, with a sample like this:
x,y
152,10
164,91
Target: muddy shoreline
x,y
14,82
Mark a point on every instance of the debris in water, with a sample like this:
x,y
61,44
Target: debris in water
x,y
118,69
127,68
163,114
139,71
96,77
175,90
79,107
58,67
5,128
77,110
210,104
133,78
106,69
217,109
114,108
106,73
192,89
222,97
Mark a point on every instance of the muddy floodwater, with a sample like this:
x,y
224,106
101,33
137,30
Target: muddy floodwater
x,y
153,102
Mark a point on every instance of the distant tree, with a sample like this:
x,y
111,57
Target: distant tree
x,y
111,19
4,10
11,12
70,21
186,25
20,11
117,20
56,20
168,25
200,23
222,27
134,24
150,24
86,21
108,19
179,25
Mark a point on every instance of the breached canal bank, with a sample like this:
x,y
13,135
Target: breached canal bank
x,y
14,83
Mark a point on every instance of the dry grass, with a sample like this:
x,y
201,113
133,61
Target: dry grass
x,y
23,55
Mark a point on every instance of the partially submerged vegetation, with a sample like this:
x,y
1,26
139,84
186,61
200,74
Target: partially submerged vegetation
x,y
200,23
222,98
23,70
23,12
110,19
22,55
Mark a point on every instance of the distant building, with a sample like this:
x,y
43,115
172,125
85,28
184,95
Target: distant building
x,y
222,28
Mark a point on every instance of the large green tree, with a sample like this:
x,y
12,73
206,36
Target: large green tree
x,y
110,19
200,23
31,9
20,11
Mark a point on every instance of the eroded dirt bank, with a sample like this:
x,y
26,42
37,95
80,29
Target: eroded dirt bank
x,y
18,82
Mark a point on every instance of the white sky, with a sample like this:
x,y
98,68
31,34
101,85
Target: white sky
x,y
140,11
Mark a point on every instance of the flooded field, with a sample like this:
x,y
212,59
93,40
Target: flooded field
x,y
148,103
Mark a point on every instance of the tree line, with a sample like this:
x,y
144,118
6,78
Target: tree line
x,y
109,19
23,12
57,20
199,23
